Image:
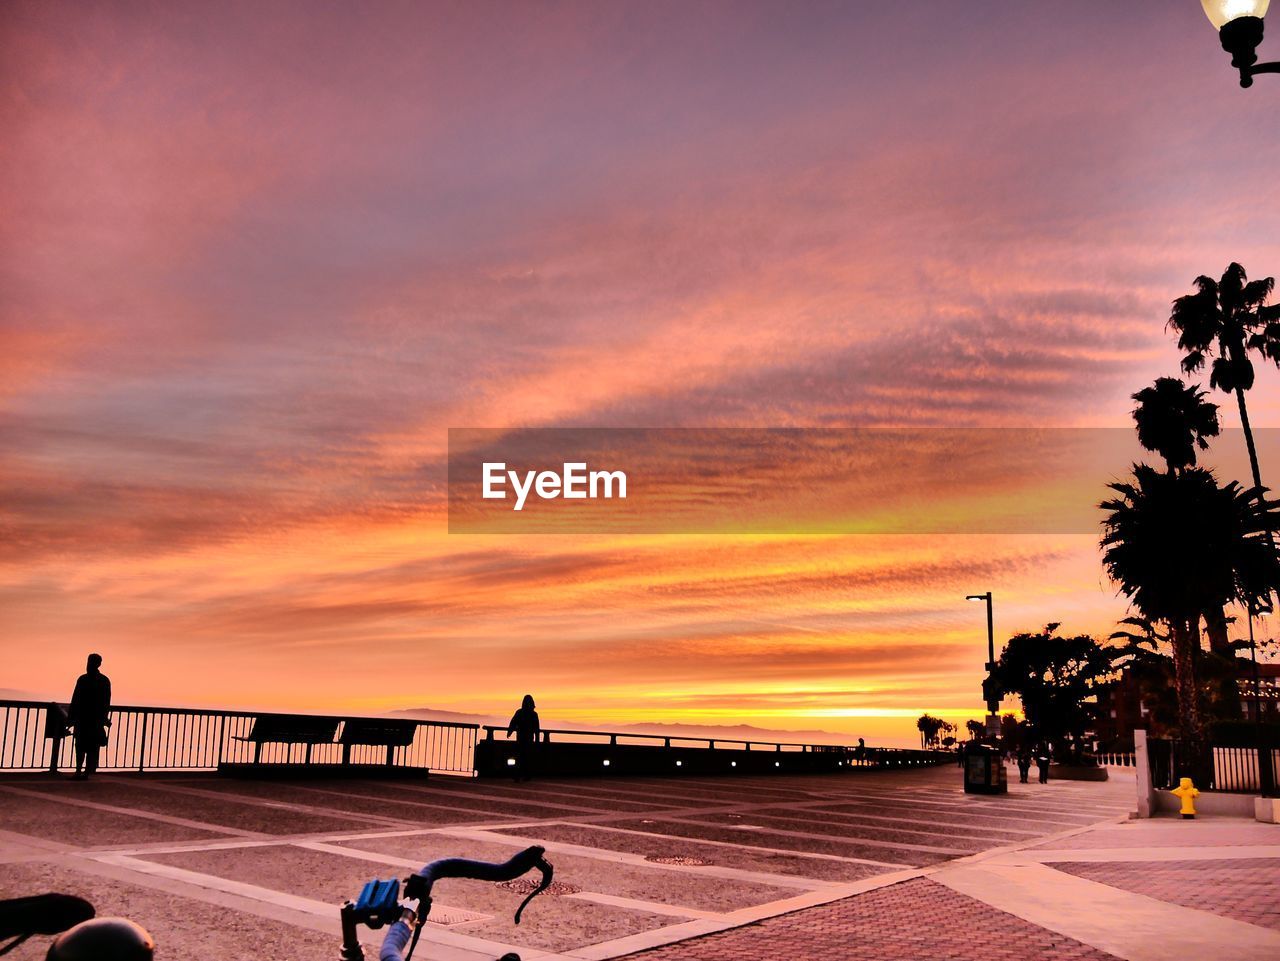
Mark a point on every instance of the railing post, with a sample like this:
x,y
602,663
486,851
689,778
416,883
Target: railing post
x,y
222,738
142,743
51,719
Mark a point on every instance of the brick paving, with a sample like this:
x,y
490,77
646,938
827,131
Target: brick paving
x,y
185,843
1246,889
915,920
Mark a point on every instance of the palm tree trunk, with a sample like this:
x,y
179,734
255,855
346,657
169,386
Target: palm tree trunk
x,y
1215,625
1192,759
1248,440
1184,679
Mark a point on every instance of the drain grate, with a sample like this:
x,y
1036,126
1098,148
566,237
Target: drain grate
x,y
677,859
558,889
451,917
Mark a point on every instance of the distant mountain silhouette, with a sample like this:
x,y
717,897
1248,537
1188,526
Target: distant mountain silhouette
x,y
733,732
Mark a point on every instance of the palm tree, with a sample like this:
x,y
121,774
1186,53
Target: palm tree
x,y
1227,317
929,726
1173,420
1180,543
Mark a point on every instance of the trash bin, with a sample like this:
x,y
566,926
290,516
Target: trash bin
x,y
984,771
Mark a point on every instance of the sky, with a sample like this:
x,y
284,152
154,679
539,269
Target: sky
x,y
256,260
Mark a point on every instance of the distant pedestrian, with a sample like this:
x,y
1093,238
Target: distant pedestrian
x,y
90,716
961,750
1024,767
524,724
1042,765
860,752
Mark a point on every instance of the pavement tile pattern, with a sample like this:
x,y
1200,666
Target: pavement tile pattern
x,y
1245,889
915,920
267,861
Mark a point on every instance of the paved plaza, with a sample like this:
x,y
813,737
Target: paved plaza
x,y
864,865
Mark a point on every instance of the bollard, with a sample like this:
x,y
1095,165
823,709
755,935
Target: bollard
x,y
1187,793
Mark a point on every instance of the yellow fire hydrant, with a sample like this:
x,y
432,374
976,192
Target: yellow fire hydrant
x,y
1187,793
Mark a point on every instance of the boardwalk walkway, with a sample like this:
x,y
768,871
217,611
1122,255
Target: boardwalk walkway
x,y
225,869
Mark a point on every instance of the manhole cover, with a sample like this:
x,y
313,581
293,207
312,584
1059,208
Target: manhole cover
x,y
677,859
529,885
449,917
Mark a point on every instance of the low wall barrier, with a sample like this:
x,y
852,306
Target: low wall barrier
x,y
609,753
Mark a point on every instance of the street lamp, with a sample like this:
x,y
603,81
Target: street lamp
x,y
990,692
1239,26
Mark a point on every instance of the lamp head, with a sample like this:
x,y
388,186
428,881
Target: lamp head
x,y
1239,24
1222,12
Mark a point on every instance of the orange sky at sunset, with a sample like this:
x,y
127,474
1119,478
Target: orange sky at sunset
x,y
258,259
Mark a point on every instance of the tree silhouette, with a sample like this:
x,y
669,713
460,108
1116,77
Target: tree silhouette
x,y
1228,318
1177,544
1055,677
929,728
1174,419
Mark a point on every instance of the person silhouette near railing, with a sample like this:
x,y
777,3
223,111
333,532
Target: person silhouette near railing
x,y
90,716
524,724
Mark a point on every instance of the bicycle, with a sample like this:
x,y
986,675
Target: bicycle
x,y
379,902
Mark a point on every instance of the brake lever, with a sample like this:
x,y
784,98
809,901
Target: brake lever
x,y
548,872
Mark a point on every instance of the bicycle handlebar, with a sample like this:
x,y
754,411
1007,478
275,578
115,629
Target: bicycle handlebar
x,y
419,885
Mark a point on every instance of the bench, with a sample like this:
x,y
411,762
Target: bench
x,y
289,729
378,732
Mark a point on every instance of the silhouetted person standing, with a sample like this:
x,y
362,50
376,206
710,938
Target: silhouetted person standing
x,y
1042,765
1024,766
90,715
524,724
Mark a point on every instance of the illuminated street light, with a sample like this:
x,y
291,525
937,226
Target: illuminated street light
x,y
1239,26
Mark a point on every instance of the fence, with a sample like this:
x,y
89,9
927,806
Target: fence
x,y
1235,769
1115,759
184,739
189,739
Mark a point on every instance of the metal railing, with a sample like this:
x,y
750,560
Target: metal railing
x,y
1235,769
852,756
1116,758
191,739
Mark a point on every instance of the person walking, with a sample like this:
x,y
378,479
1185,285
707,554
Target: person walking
x,y
1024,766
90,716
524,724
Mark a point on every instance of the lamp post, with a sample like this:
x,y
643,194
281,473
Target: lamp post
x,y
1239,26
1266,775
990,692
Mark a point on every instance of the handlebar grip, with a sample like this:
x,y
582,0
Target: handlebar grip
x,y
419,885
525,861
